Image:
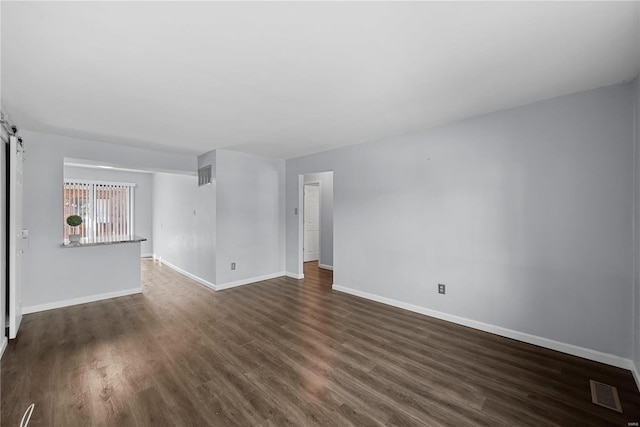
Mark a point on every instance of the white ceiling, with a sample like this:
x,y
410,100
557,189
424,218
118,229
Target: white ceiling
x,y
294,78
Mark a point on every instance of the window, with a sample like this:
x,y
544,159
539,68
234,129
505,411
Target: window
x,y
106,208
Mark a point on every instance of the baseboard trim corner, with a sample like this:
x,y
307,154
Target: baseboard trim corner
x,y
80,300
249,281
3,345
147,256
295,275
325,266
574,350
636,376
186,273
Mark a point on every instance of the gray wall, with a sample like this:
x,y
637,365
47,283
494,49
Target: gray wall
x,y
238,218
176,217
206,220
524,214
249,216
326,215
51,272
636,291
142,196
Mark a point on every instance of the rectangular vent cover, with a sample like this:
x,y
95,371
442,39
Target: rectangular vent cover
x,y
204,175
605,395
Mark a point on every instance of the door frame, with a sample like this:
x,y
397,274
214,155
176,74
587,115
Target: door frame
x,y
299,213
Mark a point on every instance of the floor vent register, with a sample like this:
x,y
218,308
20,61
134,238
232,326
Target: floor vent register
x,y
605,395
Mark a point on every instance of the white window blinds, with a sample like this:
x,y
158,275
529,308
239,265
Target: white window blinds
x,y
106,209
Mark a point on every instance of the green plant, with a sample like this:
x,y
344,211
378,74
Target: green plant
x,y
74,220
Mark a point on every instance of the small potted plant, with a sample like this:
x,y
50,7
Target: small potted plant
x,y
74,221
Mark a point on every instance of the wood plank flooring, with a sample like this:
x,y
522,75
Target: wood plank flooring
x,y
285,352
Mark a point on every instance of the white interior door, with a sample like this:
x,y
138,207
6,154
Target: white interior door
x,y
16,155
311,222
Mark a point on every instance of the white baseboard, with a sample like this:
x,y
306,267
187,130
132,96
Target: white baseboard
x,y
248,281
325,266
81,300
146,256
3,346
186,273
294,275
583,352
222,285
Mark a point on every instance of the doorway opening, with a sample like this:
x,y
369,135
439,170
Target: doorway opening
x,y
316,222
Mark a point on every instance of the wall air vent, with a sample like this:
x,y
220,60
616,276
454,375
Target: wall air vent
x,y
204,175
605,395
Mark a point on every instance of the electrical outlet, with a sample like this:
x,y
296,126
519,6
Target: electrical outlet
x,y
233,265
440,288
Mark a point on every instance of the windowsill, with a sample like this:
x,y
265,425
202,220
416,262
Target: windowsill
x,y
113,240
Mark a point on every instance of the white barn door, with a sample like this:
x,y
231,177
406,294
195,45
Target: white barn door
x,y
16,156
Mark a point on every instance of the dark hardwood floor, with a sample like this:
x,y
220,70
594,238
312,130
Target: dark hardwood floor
x,y
286,352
